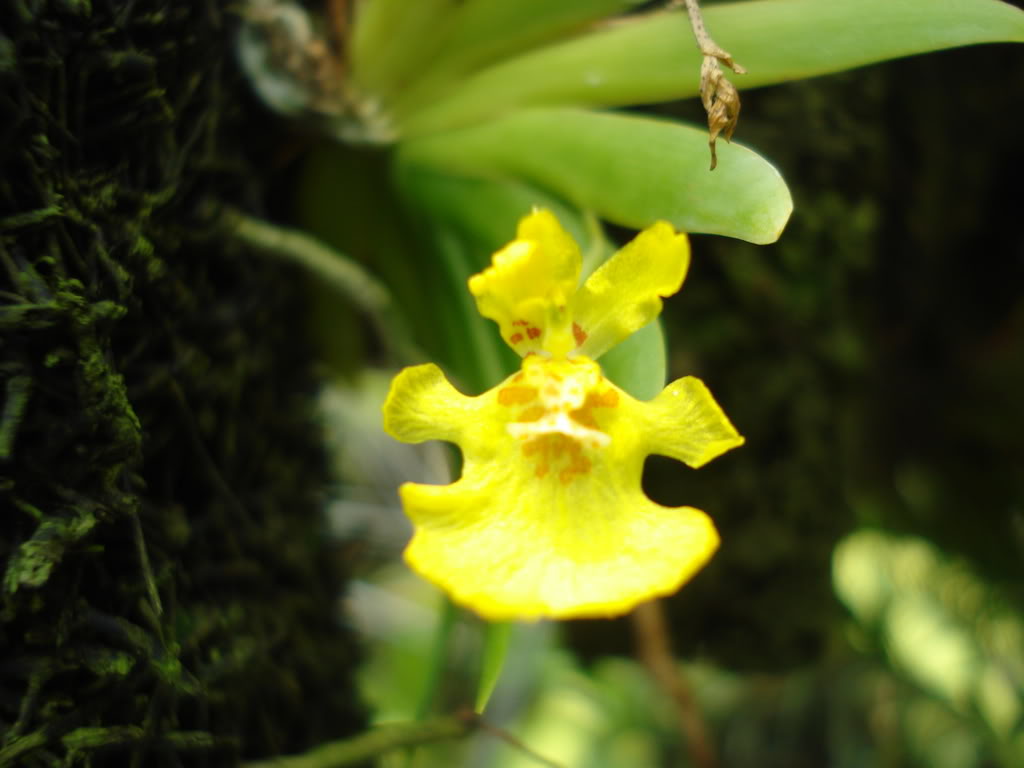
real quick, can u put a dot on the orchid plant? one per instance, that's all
(489, 112)
(548, 518)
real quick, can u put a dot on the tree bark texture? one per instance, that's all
(166, 595)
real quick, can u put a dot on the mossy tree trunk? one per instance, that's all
(166, 598)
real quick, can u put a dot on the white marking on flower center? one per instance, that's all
(559, 396)
(559, 422)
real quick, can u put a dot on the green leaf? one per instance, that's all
(654, 58)
(442, 640)
(496, 637)
(345, 200)
(629, 170)
(638, 364)
(900, 589)
(482, 32)
(485, 211)
(392, 41)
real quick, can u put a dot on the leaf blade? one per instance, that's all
(629, 170)
(653, 58)
(496, 640)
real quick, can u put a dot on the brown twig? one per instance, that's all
(650, 630)
(515, 743)
(720, 98)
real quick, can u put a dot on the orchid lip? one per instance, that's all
(559, 423)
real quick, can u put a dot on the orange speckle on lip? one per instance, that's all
(533, 333)
(555, 447)
(515, 338)
(585, 417)
(514, 395)
(607, 399)
(578, 465)
(533, 413)
(579, 334)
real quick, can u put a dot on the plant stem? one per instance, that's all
(389, 738)
(438, 657)
(654, 648)
(373, 743)
(335, 269)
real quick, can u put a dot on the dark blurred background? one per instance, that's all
(873, 357)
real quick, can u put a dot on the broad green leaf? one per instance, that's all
(654, 58)
(393, 40)
(344, 200)
(628, 170)
(485, 211)
(481, 32)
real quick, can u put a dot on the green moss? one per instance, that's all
(165, 596)
(31, 565)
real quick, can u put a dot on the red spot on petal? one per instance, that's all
(515, 338)
(579, 334)
(519, 322)
(533, 333)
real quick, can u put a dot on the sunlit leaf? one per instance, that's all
(940, 624)
(405, 53)
(389, 42)
(653, 58)
(482, 32)
(629, 170)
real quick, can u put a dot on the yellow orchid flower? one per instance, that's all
(548, 518)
